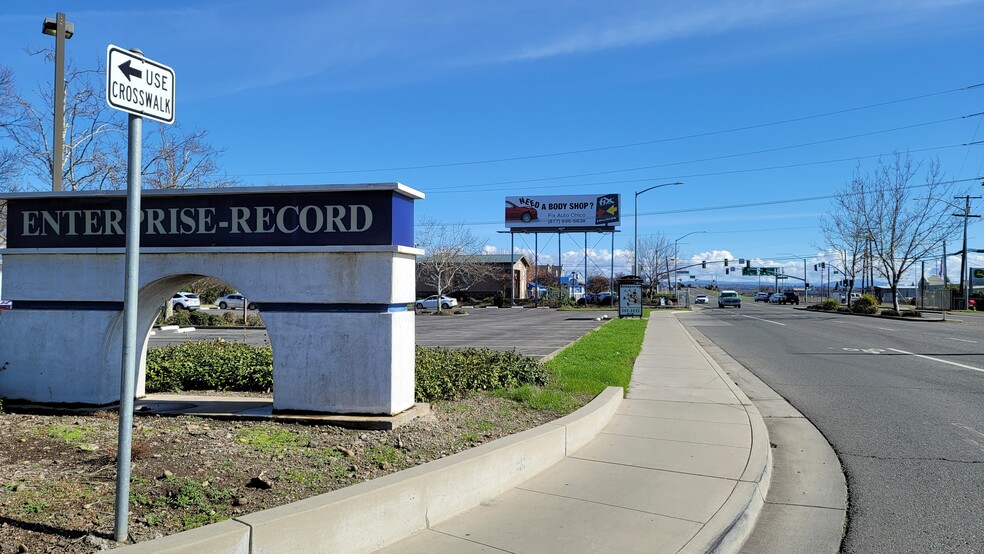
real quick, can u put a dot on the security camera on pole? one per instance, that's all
(140, 87)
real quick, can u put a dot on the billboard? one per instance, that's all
(576, 211)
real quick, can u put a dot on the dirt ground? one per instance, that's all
(58, 472)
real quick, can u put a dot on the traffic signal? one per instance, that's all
(726, 262)
(703, 264)
(823, 265)
(814, 267)
(748, 263)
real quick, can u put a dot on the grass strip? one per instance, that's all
(600, 359)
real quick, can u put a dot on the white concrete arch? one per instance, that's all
(337, 317)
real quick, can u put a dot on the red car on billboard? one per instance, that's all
(525, 214)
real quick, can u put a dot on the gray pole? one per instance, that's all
(512, 269)
(584, 281)
(611, 275)
(58, 141)
(129, 327)
(635, 232)
(560, 272)
(806, 290)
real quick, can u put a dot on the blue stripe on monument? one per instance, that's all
(298, 307)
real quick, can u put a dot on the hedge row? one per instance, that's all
(441, 373)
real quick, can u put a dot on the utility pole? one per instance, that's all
(964, 281)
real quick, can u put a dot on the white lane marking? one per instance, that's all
(884, 328)
(936, 359)
(962, 340)
(765, 320)
(865, 350)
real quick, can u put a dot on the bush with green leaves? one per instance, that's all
(442, 373)
(199, 318)
(209, 365)
(830, 304)
(867, 304)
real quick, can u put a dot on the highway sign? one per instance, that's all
(138, 85)
(768, 270)
(745, 271)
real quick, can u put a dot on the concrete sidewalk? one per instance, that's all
(683, 466)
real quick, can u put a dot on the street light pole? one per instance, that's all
(635, 230)
(61, 30)
(676, 258)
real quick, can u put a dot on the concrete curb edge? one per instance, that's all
(732, 525)
(348, 520)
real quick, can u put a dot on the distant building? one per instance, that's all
(503, 266)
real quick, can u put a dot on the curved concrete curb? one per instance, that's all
(368, 516)
(732, 525)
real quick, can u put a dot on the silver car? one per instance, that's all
(233, 301)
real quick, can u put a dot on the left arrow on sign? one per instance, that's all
(128, 71)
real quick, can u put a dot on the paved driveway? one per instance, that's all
(533, 332)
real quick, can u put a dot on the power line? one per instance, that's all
(620, 146)
(473, 187)
(712, 158)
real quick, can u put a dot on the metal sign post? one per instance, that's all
(140, 87)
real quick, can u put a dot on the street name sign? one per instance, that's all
(138, 85)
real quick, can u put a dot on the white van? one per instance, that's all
(843, 297)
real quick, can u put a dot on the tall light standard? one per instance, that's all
(61, 30)
(676, 257)
(635, 246)
(806, 291)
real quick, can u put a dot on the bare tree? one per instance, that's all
(900, 226)
(179, 161)
(845, 231)
(95, 155)
(90, 130)
(654, 258)
(452, 257)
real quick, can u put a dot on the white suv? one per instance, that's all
(185, 301)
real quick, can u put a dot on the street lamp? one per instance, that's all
(61, 30)
(676, 258)
(806, 291)
(635, 247)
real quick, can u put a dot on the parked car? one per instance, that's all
(700, 299)
(603, 298)
(185, 301)
(431, 302)
(233, 301)
(729, 298)
(761, 297)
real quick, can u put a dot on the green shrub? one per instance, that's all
(844, 310)
(830, 304)
(444, 373)
(210, 365)
(867, 304)
(890, 312)
(498, 299)
(199, 318)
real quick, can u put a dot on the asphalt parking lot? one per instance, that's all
(533, 332)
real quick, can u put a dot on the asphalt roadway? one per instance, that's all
(533, 332)
(901, 403)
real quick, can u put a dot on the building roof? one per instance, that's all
(501, 258)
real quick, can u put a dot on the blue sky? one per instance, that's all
(470, 102)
